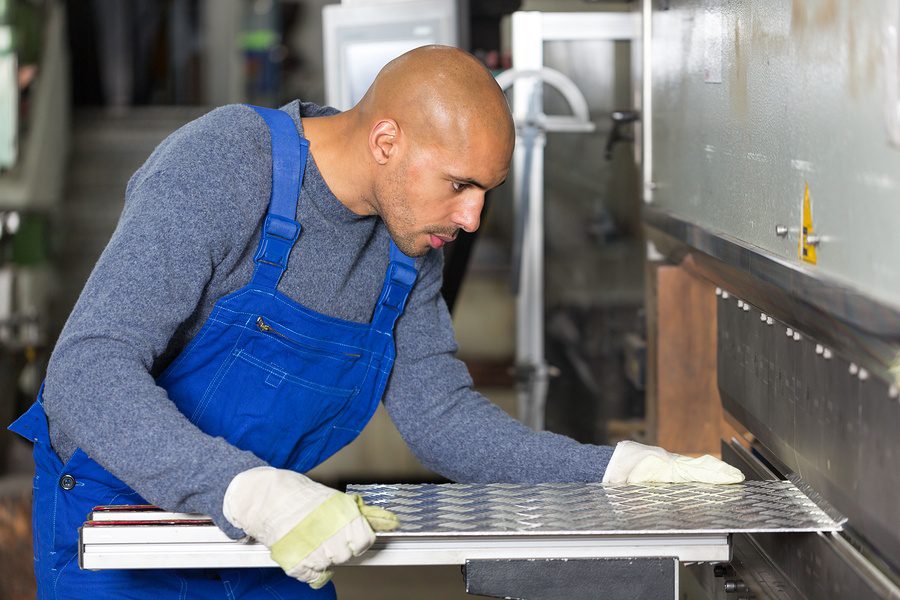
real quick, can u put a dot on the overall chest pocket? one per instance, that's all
(275, 395)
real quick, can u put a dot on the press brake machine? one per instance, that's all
(771, 165)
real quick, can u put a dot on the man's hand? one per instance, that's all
(307, 527)
(632, 462)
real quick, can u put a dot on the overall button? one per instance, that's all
(67, 482)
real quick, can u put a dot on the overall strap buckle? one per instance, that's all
(275, 245)
(398, 284)
(278, 237)
(280, 231)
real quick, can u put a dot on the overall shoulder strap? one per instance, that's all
(280, 228)
(398, 283)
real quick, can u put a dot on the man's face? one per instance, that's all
(435, 191)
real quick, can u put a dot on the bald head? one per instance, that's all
(440, 94)
(431, 136)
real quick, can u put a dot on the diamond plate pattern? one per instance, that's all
(593, 508)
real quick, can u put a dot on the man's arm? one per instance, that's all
(185, 211)
(456, 431)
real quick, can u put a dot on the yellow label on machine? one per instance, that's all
(806, 250)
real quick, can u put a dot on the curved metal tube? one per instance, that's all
(579, 120)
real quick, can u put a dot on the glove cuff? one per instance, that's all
(238, 492)
(267, 502)
(625, 458)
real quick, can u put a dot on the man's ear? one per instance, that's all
(383, 140)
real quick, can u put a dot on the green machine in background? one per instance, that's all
(9, 89)
(21, 37)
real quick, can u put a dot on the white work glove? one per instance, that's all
(307, 526)
(632, 462)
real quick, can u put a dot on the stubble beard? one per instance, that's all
(398, 218)
(406, 242)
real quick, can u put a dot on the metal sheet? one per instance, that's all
(593, 508)
(452, 523)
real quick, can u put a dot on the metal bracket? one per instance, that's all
(528, 245)
(574, 579)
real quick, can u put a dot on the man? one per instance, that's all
(241, 327)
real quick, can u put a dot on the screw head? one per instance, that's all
(718, 291)
(796, 336)
(770, 321)
(853, 368)
(863, 375)
(819, 349)
(781, 230)
(735, 585)
(725, 295)
(789, 332)
(826, 354)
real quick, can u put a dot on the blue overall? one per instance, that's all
(269, 375)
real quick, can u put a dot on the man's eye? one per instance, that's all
(458, 187)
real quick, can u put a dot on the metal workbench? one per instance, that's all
(582, 535)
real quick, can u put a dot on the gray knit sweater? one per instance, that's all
(186, 237)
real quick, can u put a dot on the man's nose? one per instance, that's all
(468, 216)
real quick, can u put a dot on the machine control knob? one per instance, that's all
(735, 585)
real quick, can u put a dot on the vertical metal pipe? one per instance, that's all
(528, 54)
(646, 106)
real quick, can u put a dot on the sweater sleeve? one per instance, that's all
(452, 429)
(181, 218)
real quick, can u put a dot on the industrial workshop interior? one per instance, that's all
(440, 299)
